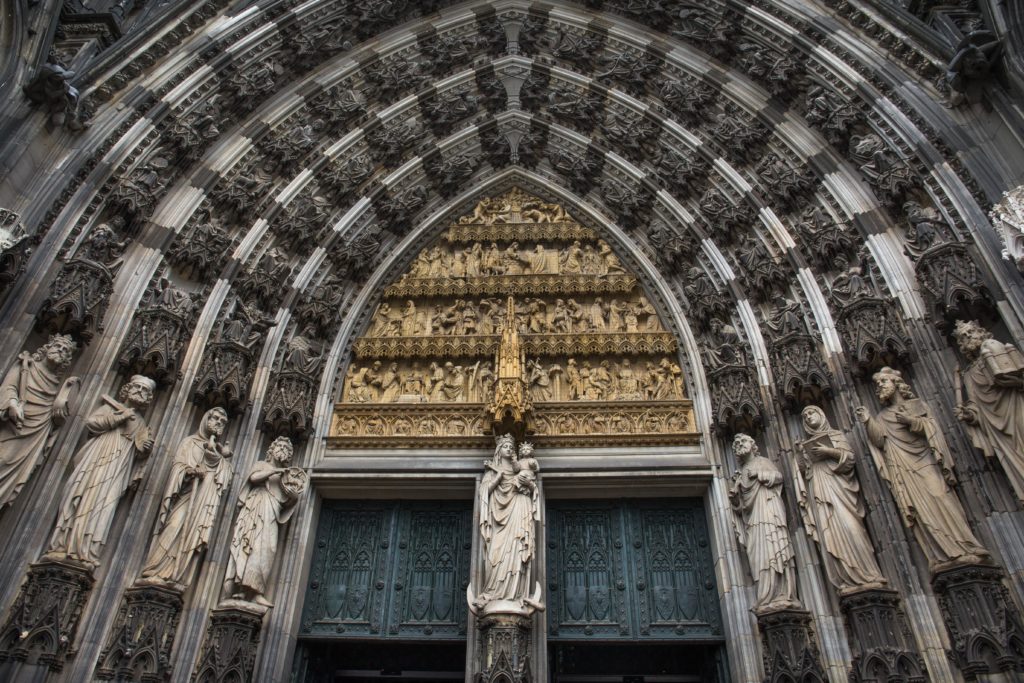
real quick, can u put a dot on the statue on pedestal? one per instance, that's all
(834, 508)
(200, 473)
(919, 470)
(267, 502)
(993, 408)
(104, 469)
(33, 401)
(509, 513)
(756, 495)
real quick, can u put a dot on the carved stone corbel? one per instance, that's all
(142, 636)
(883, 648)
(229, 649)
(790, 648)
(984, 625)
(41, 626)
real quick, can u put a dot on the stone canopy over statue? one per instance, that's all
(509, 531)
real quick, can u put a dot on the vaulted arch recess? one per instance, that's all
(796, 195)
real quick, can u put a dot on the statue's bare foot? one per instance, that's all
(262, 601)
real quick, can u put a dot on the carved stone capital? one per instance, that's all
(41, 625)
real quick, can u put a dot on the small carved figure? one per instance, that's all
(761, 527)
(33, 400)
(538, 260)
(103, 472)
(200, 474)
(51, 86)
(834, 509)
(993, 408)
(266, 503)
(973, 60)
(571, 260)
(911, 458)
(539, 381)
(414, 384)
(612, 264)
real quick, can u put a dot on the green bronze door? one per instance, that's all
(630, 570)
(389, 570)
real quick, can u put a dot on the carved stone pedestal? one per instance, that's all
(883, 649)
(229, 648)
(790, 651)
(41, 626)
(984, 624)
(141, 639)
(504, 647)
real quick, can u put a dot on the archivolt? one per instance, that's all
(219, 63)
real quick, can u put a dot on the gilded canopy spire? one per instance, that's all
(511, 406)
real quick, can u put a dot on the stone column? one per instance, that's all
(142, 637)
(882, 644)
(231, 641)
(984, 624)
(42, 623)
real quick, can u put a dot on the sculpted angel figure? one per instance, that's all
(911, 458)
(993, 408)
(509, 513)
(200, 474)
(103, 472)
(266, 503)
(33, 400)
(834, 507)
(761, 527)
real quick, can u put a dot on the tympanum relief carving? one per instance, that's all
(598, 361)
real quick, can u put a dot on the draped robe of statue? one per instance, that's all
(998, 430)
(911, 459)
(102, 475)
(835, 508)
(188, 509)
(266, 505)
(508, 515)
(36, 386)
(756, 494)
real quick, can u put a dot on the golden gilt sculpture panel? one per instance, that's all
(594, 363)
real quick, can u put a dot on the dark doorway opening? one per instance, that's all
(609, 662)
(375, 662)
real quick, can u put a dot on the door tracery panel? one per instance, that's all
(630, 570)
(389, 569)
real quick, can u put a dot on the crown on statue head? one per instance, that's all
(504, 439)
(525, 449)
